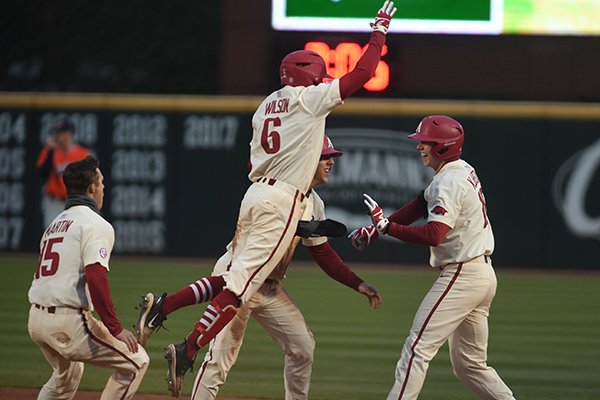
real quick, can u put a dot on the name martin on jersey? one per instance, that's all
(277, 106)
(59, 227)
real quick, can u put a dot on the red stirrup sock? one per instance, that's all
(204, 289)
(216, 316)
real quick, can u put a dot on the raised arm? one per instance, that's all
(366, 65)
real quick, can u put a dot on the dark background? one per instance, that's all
(517, 159)
(228, 47)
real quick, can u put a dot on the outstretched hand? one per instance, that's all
(371, 293)
(383, 17)
(363, 236)
(379, 220)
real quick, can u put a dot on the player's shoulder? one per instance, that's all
(318, 205)
(450, 178)
(455, 169)
(315, 198)
(90, 218)
(285, 91)
(323, 87)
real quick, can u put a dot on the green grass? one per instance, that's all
(544, 339)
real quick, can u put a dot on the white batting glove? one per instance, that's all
(363, 236)
(379, 220)
(383, 17)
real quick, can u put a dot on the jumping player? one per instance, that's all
(271, 306)
(461, 241)
(74, 254)
(288, 130)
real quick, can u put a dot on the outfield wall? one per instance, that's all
(176, 166)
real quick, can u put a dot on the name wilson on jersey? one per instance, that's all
(277, 106)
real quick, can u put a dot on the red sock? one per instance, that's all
(216, 316)
(200, 291)
(191, 348)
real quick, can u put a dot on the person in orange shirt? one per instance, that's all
(60, 150)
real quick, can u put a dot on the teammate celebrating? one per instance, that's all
(74, 254)
(460, 235)
(288, 130)
(271, 306)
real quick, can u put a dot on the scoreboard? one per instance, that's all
(489, 17)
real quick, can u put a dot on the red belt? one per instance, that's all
(272, 182)
(486, 259)
(51, 309)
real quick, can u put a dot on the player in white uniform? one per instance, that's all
(70, 281)
(461, 239)
(271, 306)
(288, 130)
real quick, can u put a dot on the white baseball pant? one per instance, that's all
(281, 318)
(69, 338)
(455, 309)
(267, 223)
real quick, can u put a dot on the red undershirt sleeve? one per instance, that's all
(331, 263)
(97, 281)
(411, 211)
(430, 234)
(365, 67)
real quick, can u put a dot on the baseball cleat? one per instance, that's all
(151, 317)
(177, 366)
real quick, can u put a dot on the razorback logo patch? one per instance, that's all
(439, 210)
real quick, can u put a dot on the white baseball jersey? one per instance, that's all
(315, 210)
(288, 129)
(455, 198)
(76, 237)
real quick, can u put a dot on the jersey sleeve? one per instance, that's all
(321, 99)
(318, 213)
(444, 199)
(97, 242)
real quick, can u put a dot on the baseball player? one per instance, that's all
(271, 306)
(288, 130)
(461, 241)
(69, 283)
(58, 152)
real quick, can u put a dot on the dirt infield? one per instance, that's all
(8, 393)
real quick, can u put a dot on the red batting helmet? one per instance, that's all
(328, 149)
(447, 134)
(302, 68)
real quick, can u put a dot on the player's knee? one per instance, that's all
(464, 368)
(303, 350)
(144, 359)
(459, 369)
(138, 363)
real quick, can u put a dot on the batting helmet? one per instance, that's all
(302, 68)
(328, 149)
(447, 134)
